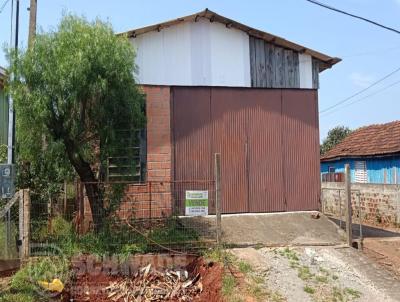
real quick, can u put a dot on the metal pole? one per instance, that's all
(349, 223)
(218, 195)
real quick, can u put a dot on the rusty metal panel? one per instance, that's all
(266, 185)
(229, 116)
(301, 149)
(192, 135)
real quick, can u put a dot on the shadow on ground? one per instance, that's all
(367, 231)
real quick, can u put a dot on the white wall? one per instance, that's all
(305, 71)
(194, 54)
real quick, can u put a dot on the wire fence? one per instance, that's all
(124, 218)
(9, 229)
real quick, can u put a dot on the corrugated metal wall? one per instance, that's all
(3, 118)
(268, 140)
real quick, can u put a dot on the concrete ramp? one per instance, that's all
(296, 228)
(273, 229)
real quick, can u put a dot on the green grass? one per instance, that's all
(304, 273)
(244, 267)
(321, 279)
(352, 292)
(309, 290)
(228, 285)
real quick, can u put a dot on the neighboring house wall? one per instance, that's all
(385, 170)
(205, 53)
(3, 117)
(375, 203)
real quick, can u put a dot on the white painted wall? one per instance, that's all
(194, 54)
(305, 71)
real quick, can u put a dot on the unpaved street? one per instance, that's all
(321, 274)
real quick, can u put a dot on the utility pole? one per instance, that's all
(11, 112)
(32, 22)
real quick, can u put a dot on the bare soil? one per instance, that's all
(92, 287)
(385, 252)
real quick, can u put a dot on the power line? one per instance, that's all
(354, 16)
(361, 91)
(363, 98)
(4, 5)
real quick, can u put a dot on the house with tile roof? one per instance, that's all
(373, 153)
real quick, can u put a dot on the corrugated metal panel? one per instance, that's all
(301, 149)
(268, 140)
(192, 131)
(3, 118)
(266, 186)
(229, 116)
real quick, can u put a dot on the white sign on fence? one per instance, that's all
(196, 203)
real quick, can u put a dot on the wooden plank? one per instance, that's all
(253, 70)
(315, 73)
(260, 63)
(296, 73)
(280, 68)
(269, 64)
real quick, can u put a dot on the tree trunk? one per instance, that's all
(91, 184)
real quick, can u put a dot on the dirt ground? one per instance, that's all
(320, 274)
(93, 287)
(384, 251)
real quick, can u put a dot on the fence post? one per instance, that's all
(24, 222)
(218, 195)
(349, 223)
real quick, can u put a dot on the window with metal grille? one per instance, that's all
(128, 162)
(361, 172)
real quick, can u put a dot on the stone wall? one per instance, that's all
(374, 203)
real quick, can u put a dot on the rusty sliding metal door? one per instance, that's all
(228, 113)
(192, 136)
(266, 179)
(301, 149)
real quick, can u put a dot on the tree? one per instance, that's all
(334, 137)
(74, 89)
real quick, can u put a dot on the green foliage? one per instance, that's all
(335, 136)
(3, 154)
(244, 267)
(73, 91)
(24, 284)
(309, 290)
(115, 237)
(228, 285)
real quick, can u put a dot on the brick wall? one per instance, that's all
(153, 198)
(159, 159)
(376, 203)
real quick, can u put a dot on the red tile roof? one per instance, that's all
(383, 139)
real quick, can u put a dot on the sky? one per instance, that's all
(368, 52)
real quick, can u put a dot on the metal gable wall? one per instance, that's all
(3, 118)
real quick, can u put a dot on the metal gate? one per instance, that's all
(268, 140)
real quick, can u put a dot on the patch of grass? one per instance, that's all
(321, 279)
(337, 295)
(276, 297)
(228, 285)
(335, 277)
(24, 284)
(219, 255)
(309, 290)
(258, 246)
(17, 297)
(304, 273)
(244, 267)
(289, 254)
(352, 292)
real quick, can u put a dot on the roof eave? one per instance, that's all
(212, 16)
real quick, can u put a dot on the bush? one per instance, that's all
(3, 154)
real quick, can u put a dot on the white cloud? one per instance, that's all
(361, 80)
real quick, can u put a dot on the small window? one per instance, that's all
(361, 172)
(331, 170)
